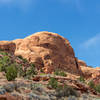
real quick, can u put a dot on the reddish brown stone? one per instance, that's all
(45, 49)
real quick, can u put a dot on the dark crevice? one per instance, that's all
(77, 66)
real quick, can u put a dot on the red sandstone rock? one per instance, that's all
(45, 49)
(8, 46)
(89, 72)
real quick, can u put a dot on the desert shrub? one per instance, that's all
(53, 83)
(36, 86)
(4, 62)
(97, 88)
(81, 79)
(21, 72)
(3, 53)
(66, 91)
(23, 59)
(41, 70)
(2, 68)
(11, 73)
(91, 84)
(31, 71)
(60, 73)
(27, 72)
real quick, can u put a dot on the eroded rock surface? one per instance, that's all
(47, 50)
(90, 73)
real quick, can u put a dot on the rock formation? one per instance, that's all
(7, 46)
(49, 51)
(81, 63)
(90, 73)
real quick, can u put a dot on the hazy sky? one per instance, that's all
(76, 20)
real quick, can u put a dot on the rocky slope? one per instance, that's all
(91, 73)
(22, 89)
(57, 74)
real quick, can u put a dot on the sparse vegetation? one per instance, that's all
(27, 72)
(66, 91)
(21, 72)
(53, 83)
(8, 64)
(97, 88)
(19, 67)
(3, 53)
(23, 59)
(4, 63)
(91, 84)
(94, 86)
(81, 79)
(31, 71)
(60, 73)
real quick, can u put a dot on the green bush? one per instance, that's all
(53, 83)
(2, 67)
(81, 79)
(27, 72)
(91, 84)
(11, 73)
(31, 71)
(4, 63)
(3, 53)
(21, 72)
(6, 60)
(60, 73)
(97, 88)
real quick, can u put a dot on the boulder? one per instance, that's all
(48, 51)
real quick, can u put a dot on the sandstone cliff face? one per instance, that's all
(47, 50)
